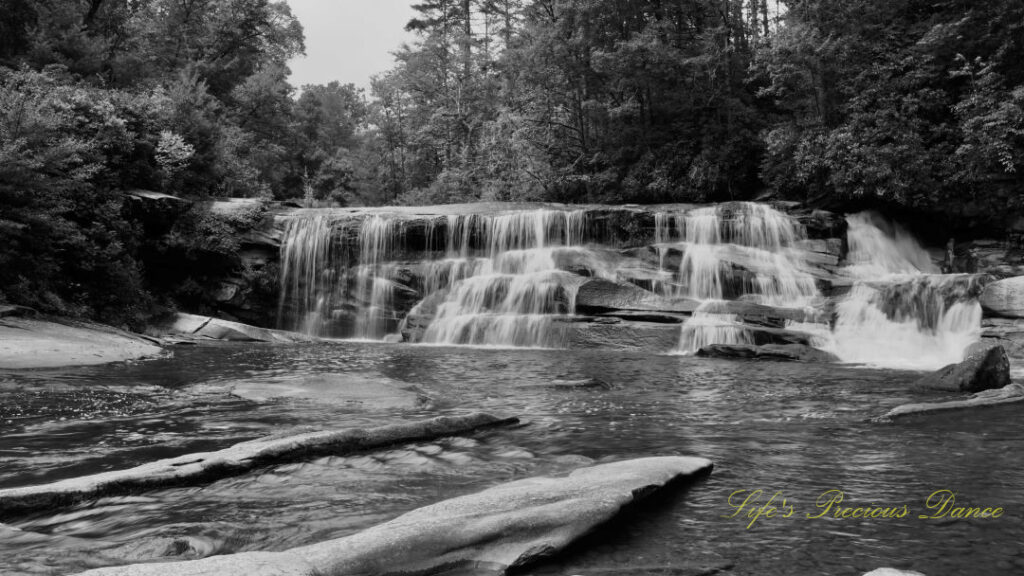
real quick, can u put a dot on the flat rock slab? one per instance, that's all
(507, 526)
(1010, 394)
(209, 328)
(29, 343)
(237, 459)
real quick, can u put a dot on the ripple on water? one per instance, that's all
(797, 428)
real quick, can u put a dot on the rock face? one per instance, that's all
(205, 327)
(598, 295)
(237, 459)
(1004, 298)
(30, 343)
(986, 367)
(648, 336)
(795, 352)
(504, 527)
(1010, 394)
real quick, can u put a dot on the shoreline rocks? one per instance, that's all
(191, 326)
(504, 527)
(236, 459)
(27, 343)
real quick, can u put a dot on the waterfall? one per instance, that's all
(739, 250)
(511, 293)
(899, 312)
(494, 280)
(511, 276)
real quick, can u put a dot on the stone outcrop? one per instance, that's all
(792, 352)
(195, 327)
(498, 529)
(985, 367)
(1004, 298)
(1005, 332)
(599, 295)
(1010, 394)
(648, 336)
(35, 343)
(237, 459)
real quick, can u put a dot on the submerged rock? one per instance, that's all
(986, 367)
(1004, 298)
(508, 526)
(208, 328)
(796, 352)
(237, 459)
(1009, 394)
(892, 572)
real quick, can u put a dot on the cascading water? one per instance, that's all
(495, 281)
(899, 312)
(739, 250)
(749, 273)
(511, 293)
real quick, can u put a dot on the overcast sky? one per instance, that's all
(348, 40)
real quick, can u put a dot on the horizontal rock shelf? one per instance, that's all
(793, 352)
(1010, 394)
(504, 527)
(237, 459)
(207, 328)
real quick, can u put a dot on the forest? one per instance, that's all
(908, 105)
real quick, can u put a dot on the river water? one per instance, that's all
(798, 428)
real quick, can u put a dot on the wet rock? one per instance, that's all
(1005, 332)
(892, 572)
(30, 343)
(1010, 394)
(1004, 298)
(237, 459)
(762, 315)
(985, 367)
(599, 295)
(647, 336)
(208, 328)
(505, 527)
(792, 352)
(641, 316)
(593, 383)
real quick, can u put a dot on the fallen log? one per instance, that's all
(237, 459)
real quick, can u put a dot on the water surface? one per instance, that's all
(802, 429)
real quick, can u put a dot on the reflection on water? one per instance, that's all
(797, 428)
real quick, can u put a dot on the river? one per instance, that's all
(801, 429)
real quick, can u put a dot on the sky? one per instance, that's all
(348, 40)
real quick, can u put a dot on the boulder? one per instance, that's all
(794, 352)
(985, 367)
(237, 459)
(206, 327)
(598, 295)
(1004, 298)
(496, 530)
(892, 572)
(1010, 394)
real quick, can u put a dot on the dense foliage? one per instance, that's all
(915, 104)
